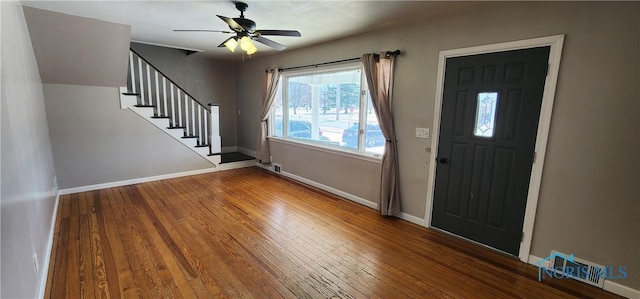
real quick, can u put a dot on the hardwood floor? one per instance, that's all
(247, 233)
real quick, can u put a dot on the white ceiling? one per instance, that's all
(318, 21)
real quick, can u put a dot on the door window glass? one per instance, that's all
(486, 114)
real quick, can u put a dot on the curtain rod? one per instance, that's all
(388, 53)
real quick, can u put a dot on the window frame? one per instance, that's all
(361, 149)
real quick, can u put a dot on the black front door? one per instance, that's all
(490, 109)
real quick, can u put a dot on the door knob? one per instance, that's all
(443, 160)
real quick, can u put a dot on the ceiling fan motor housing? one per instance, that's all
(247, 24)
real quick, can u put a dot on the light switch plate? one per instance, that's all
(422, 133)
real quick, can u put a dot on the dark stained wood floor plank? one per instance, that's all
(98, 257)
(199, 253)
(248, 233)
(222, 244)
(73, 273)
(87, 287)
(125, 219)
(308, 251)
(109, 205)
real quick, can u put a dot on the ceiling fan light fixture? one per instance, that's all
(231, 44)
(246, 44)
(252, 50)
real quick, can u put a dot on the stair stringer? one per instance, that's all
(129, 102)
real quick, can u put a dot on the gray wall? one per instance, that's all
(96, 142)
(28, 199)
(93, 140)
(208, 80)
(77, 50)
(589, 200)
(315, 164)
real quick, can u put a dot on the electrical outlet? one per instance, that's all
(422, 133)
(36, 266)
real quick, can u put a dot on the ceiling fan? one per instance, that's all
(245, 30)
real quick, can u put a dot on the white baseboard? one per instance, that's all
(534, 260)
(268, 167)
(135, 181)
(411, 218)
(236, 165)
(362, 201)
(609, 285)
(44, 269)
(247, 151)
(621, 290)
(332, 190)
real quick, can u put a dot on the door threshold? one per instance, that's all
(509, 255)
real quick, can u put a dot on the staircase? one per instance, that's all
(159, 100)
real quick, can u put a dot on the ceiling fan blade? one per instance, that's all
(279, 32)
(226, 40)
(232, 23)
(269, 43)
(200, 30)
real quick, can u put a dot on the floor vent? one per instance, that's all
(578, 269)
(277, 168)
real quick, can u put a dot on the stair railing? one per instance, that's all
(154, 89)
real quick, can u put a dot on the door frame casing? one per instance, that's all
(555, 42)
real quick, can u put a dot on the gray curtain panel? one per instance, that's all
(262, 152)
(379, 72)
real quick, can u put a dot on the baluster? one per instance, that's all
(203, 129)
(192, 109)
(205, 122)
(155, 99)
(198, 113)
(154, 85)
(185, 107)
(173, 107)
(132, 72)
(141, 80)
(147, 101)
(164, 96)
(185, 114)
(197, 121)
(179, 114)
(190, 117)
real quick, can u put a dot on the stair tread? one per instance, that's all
(130, 94)
(176, 127)
(160, 116)
(146, 106)
(191, 136)
(203, 145)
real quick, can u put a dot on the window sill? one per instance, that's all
(328, 149)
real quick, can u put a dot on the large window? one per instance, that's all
(329, 107)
